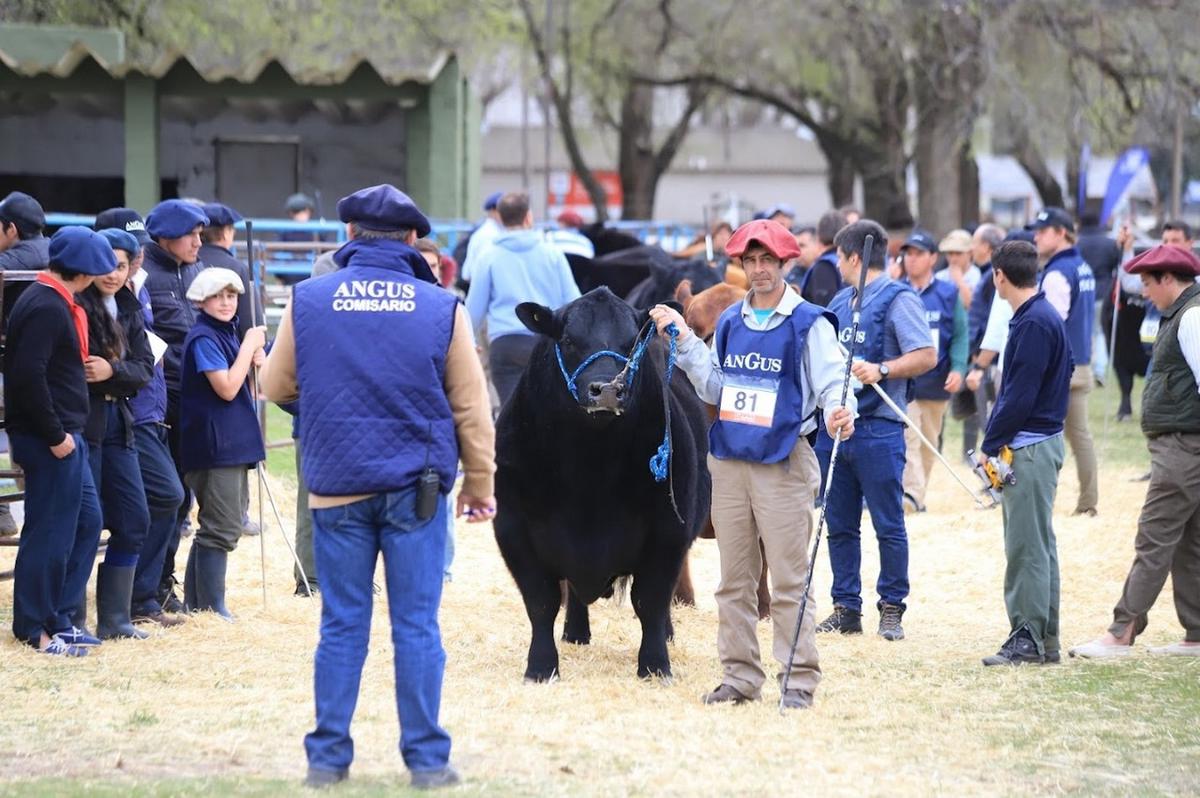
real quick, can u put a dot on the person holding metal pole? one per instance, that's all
(773, 365)
(896, 346)
(1025, 434)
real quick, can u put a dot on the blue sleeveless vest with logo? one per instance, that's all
(371, 344)
(757, 363)
(872, 328)
(1083, 301)
(214, 433)
(939, 298)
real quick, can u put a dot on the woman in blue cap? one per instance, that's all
(46, 405)
(119, 365)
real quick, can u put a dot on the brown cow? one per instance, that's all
(701, 312)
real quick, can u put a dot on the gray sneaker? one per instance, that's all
(433, 779)
(8, 524)
(889, 621)
(725, 694)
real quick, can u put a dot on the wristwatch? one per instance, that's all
(884, 371)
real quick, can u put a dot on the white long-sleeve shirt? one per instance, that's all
(823, 366)
(1189, 341)
(995, 333)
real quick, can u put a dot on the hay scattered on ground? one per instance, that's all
(234, 701)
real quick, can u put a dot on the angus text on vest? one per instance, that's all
(753, 361)
(375, 296)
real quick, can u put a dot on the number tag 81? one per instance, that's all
(748, 404)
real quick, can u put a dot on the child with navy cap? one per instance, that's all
(46, 401)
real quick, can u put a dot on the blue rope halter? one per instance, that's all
(660, 460)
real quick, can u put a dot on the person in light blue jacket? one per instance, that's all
(519, 267)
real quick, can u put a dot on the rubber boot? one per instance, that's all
(210, 580)
(189, 582)
(114, 590)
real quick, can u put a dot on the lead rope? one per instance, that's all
(660, 461)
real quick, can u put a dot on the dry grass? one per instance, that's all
(214, 708)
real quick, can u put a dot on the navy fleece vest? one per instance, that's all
(939, 298)
(371, 344)
(1081, 317)
(215, 433)
(872, 329)
(762, 404)
(830, 259)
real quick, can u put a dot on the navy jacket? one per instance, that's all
(168, 281)
(823, 279)
(1102, 254)
(149, 405)
(215, 433)
(29, 254)
(1037, 377)
(130, 374)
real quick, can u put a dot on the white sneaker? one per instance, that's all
(1097, 650)
(1178, 650)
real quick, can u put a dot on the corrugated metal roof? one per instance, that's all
(32, 50)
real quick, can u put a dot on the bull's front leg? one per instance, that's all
(652, 589)
(539, 590)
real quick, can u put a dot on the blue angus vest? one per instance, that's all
(762, 404)
(371, 344)
(872, 330)
(940, 298)
(214, 433)
(1081, 317)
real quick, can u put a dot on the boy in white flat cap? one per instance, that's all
(219, 434)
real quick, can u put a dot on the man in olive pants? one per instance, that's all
(1027, 425)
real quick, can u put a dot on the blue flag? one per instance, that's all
(1130, 162)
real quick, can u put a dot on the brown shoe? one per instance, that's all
(165, 619)
(725, 694)
(796, 698)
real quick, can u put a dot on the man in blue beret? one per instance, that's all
(484, 235)
(216, 249)
(22, 245)
(46, 405)
(390, 392)
(172, 261)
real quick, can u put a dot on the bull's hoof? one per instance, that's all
(577, 639)
(662, 671)
(538, 676)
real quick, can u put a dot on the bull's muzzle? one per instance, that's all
(606, 397)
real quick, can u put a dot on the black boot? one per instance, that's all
(114, 589)
(189, 582)
(210, 580)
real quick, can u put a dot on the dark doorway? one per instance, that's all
(89, 195)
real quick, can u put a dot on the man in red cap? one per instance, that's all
(1168, 536)
(773, 362)
(569, 239)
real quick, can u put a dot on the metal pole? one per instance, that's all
(262, 415)
(856, 314)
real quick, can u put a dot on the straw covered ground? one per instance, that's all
(214, 708)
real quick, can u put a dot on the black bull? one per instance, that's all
(575, 496)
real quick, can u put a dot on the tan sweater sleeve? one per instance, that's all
(278, 375)
(466, 388)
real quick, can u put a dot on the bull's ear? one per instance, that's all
(540, 319)
(643, 315)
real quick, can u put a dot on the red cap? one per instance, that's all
(570, 219)
(777, 239)
(1165, 258)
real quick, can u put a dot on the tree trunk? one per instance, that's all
(841, 168)
(1031, 160)
(968, 187)
(635, 152)
(938, 167)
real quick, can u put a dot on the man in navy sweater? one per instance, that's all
(1028, 421)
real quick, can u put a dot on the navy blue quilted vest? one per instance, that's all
(214, 433)
(828, 258)
(371, 344)
(1082, 315)
(939, 298)
(872, 329)
(762, 404)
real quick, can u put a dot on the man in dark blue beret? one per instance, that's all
(46, 405)
(390, 391)
(216, 249)
(22, 245)
(172, 261)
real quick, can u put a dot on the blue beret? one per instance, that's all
(24, 211)
(80, 250)
(119, 239)
(126, 219)
(492, 200)
(221, 215)
(383, 208)
(174, 219)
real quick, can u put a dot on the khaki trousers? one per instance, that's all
(1080, 438)
(772, 502)
(1168, 538)
(927, 414)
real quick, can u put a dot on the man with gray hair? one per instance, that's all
(984, 241)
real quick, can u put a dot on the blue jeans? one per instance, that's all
(164, 495)
(870, 465)
(59, 539)
(347, 541)
(118, 479)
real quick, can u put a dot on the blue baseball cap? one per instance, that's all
(119, 239)
(383, 208)
(921, 240)
(82, 250)
(175, 218)
(492, 200)
(1052, 217)
(126, 219)
(221, 215)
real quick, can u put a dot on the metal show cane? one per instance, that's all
(887, 400)
(868, 247)
(262, 425)
(1112, 343)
